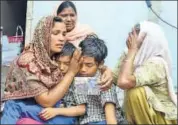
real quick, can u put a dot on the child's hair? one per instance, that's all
(67, 50)
(94, 47)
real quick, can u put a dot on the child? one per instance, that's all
(101, 109)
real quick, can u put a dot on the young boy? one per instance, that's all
(92, 109)
(101, 109)
(72, 107)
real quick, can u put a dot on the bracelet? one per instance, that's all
(128, 60)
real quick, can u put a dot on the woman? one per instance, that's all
(144, 72)
(76, 32)
(34, 79)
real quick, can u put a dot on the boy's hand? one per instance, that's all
(48, 113)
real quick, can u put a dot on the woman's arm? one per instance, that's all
(126, 79)
(49, 98)
(106, 78)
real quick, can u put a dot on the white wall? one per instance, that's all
(169, 13)
(112, 20)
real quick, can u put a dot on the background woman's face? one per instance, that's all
(69, 17)
(58, 37)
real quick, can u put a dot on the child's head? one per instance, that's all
(65, 56)
(94, 51)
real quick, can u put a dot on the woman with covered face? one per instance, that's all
(144, 72)
(34, 80)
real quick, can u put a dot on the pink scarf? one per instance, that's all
(79, 33)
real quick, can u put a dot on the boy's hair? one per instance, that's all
(94, 47)
(68, 49)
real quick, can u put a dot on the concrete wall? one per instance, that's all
(112, 20)
(13, 13)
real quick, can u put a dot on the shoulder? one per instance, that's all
(85, 28)
(152, 70)
(155, 62)
(25, 58)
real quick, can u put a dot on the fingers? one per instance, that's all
(105, 83)
(103, 79)
(129, 40)
(106, 86)
(77, 54)
(105, 89)
(43, 111)
(45, 115)
(134, 32)
(80, 61)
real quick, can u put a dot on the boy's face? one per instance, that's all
(64, 63)
(89, 67)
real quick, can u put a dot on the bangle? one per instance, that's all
(128, 60)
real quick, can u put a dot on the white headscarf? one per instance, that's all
(155, 46)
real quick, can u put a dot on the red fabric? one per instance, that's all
(25, 121)
(15, 39)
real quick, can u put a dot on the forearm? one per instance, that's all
(126, 68)
(110, 113)
(126, 71)
(72, 111)
(50, 98)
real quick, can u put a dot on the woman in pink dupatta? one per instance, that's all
(76, 32)
(34, 80)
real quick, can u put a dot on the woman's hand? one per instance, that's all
(106, 78)
(134, 42)
(48, 113)
(75, 62)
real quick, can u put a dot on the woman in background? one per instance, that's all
(76, 32)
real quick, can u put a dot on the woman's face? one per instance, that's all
(69, 17)
(58, 37)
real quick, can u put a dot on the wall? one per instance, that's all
(169, 13)
(112, 20)
(13, 13)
